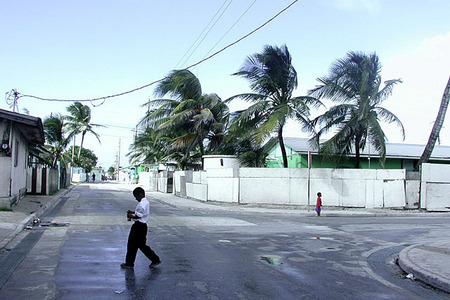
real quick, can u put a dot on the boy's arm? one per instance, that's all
(131, 215)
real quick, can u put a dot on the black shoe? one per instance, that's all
(154, 264)
(125, 266)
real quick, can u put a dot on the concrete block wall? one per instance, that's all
(435, 187)
(339, 187)
(196, 185)
(223, 185)
(270, 186)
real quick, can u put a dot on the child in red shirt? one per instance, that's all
(319, 203)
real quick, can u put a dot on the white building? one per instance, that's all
(18, 133)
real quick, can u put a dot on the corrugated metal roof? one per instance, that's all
(31, 127)
(393, 150)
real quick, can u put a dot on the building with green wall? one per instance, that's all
(398, 156)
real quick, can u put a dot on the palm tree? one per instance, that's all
(79, 122)
(148, 148)
(436, 127)
(273, 79)
(255, 157)
(192, 119)
(57, 142)
(355, 83)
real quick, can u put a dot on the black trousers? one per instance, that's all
(138, 240)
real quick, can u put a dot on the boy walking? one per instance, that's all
(137, 238)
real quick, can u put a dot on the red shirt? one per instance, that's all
(319, 202)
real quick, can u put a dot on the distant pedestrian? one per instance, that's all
(137, 238)
(319, 203)
(93, 177)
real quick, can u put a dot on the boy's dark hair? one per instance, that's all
(138, 191)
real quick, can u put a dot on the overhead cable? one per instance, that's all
(232, 26)
(201, 33)
(159, 80)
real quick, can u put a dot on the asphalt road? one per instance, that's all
(214, 254)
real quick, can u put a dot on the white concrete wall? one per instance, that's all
(196, 187)
(220, 161)
(222, 185)
(149, 180)
(156, 181)
(270, 186)
(179, 183)
(435, 187)
(339, 187)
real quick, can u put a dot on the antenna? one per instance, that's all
(12, 98)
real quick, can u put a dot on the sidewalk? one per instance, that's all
(22, 215)
(428, 262)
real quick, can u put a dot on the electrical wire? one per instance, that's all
(232, 26)
(207, 33)
(159, 80)
(201, 33)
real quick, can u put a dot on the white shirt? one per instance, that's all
(142, 211)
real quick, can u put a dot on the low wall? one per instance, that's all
(157, 181)
(435, 187)
(339, 187)
(42, 181)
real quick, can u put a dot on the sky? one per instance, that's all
(80, 49)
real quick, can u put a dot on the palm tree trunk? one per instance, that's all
(436, 127)
(282, 147)
(357, 153)
(202, 150)
(81, 145)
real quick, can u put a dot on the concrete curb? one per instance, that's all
(413, 261)
(29, 219)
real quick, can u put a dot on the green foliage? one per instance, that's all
(79, 122)
(59, 131)
(111, 171)
(183, 128)
(56, 140)
(87, 159)
(273, 80)
(250, 156)
(354, 82)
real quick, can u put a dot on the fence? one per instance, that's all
(339, 187)
(46, 181)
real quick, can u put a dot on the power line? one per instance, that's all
(201, 33)
(159, 80)
(232, 26)
(244, 37)
(198, 45)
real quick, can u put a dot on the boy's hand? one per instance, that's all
(130, 214)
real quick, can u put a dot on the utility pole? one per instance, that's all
(118, 161)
